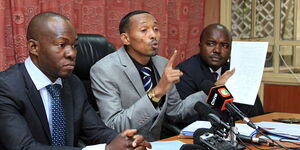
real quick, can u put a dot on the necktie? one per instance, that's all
(147, 82)
(58, 119)
(215, 74)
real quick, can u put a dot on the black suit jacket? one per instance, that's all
(23, 121)
(197, 77)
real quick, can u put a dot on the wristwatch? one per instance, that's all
(152, 96)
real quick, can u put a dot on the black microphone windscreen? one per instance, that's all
(217, 122)
(204, 109)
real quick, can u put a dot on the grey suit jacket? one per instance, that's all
(123, 102)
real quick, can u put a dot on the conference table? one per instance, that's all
(265, 117)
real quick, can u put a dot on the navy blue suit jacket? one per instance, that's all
(197, 77)
(23, 121)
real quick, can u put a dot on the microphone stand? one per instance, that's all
(233, 130)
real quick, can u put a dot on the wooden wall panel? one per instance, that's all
(212, 12)
(281, 98)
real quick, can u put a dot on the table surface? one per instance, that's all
(265, 117)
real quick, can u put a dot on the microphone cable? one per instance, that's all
(274, 141)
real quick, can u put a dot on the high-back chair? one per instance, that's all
(90, 49)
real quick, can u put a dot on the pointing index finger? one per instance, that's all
(172, 59)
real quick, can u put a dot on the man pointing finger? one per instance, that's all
(134, 87)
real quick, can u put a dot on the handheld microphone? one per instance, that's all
(221, 98)
(249, 139)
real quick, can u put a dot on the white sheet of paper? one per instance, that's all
(166, 145)
(248, 59)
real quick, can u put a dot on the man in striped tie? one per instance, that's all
(134, 87)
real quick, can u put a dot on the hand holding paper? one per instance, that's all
(248, 59)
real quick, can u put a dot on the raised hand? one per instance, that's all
(127, 140)
(223, 79)
(169, 77)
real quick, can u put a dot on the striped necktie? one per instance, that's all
(147, 82)
(58, 118)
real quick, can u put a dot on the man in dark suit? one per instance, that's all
(43, 105)
(207, 69)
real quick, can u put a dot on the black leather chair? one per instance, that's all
(90, 49)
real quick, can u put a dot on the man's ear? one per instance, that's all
(125, 39)
(33, 47)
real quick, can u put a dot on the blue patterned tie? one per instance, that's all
(147, 82)
(58, 119)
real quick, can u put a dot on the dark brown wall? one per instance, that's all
(212, 12)
(281, 98)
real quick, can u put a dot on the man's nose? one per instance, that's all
(153, 34)
(71, 52)
(217, 48)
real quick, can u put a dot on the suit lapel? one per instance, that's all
(67, 103)
(206, 70)
(131, 71)
(225, 67)
(36, 101)
(160, 67)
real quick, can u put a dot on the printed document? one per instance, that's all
(248, 59)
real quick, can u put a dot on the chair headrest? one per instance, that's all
(90, 49)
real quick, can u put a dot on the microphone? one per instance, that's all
(204, 109)
(249, 139)
(220, 97)
(216, 121)
(213, 117)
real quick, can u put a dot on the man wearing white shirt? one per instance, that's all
(43, 106)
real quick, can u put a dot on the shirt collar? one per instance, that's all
(140, 66)
(39, 79)
(217, 71)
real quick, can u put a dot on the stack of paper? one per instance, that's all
(283, 130)
(190, 129)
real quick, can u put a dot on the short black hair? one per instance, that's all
(214, 26)
(123, 26)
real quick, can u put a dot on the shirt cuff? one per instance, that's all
(95, 147)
